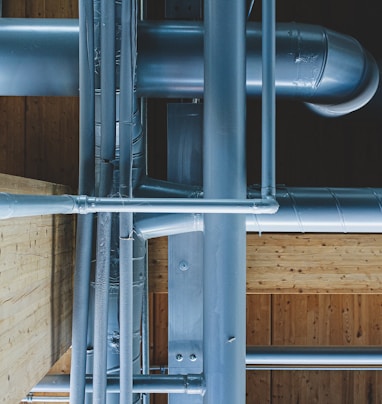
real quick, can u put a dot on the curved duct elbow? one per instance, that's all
(331, 72)
(350, 87)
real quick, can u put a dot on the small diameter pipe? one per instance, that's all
(126, 112)
(174, 384)
(14, 205)
(101, 307)
(268, 156)
(87, 186)
(302, 357)
(81, 307)
(108, 84)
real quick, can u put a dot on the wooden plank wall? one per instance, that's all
(36, 266)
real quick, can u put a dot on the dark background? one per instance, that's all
(311, 150)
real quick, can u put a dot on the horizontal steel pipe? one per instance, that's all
(39, 56)
(336, 356)
(15, 205)
(329, 71)
(177, 384)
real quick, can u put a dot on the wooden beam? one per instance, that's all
(36, 266)
(298, 263)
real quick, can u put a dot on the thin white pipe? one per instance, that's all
(14, 205)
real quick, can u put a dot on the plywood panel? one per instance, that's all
(36, 263)
(287, 263)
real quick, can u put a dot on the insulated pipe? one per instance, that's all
(313, 64)
(224, 177)
(302, 210)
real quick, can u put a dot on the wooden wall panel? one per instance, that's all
(298, 263)
(36, 264)
(326, 320)
(258, 333)
(51, 139)
(12, 135)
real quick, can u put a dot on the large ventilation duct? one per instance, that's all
(301, 210)
(329, 71)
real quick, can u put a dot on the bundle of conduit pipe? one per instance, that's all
(114, 60)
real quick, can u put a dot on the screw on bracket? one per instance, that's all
(183, 265)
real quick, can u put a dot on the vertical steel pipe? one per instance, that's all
(104, 220)
(126, 219)
(86, 186)
(268, 122)
(224, 177)
(101, 307)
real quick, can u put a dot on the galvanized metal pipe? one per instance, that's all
(16, 205)
(224, 177)
(81, 307)
(317, 356)
(268, 116)
(86, 185)
(341, 77)
(101, 307)
(126, 112)
(182, 384)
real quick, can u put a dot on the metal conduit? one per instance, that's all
(86, 185)
(18, 205)
(178, 384)
(341, 77)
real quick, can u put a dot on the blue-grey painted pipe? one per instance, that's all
(268, 100)
(313, 64)
(126, 112)
(81, 307)
(224, 176)
(314, 356)
(18, 205)
(181, 384)
(101, 306)
(86, 172)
